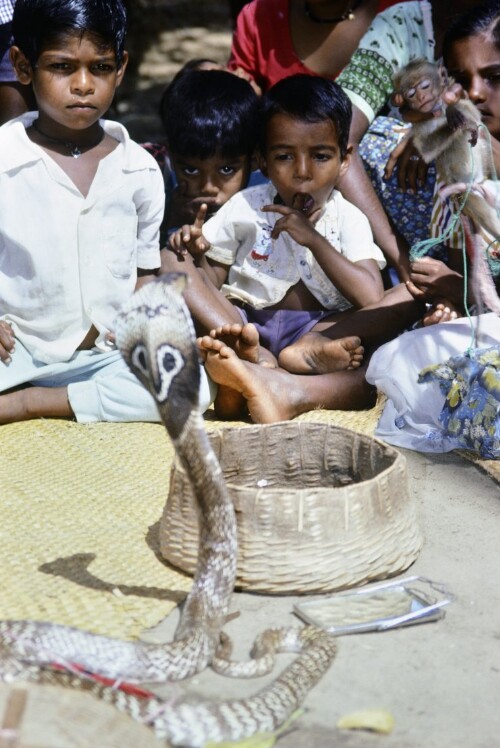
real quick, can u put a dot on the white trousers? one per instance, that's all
(100, 385)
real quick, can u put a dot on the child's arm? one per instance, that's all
(359, 282)
(216, 272)
(432, 279)
(149, 202)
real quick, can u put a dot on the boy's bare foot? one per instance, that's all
(244, 340)
(241, 387)
(229, 403)
(316, 354)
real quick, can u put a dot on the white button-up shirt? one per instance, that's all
(262, 269)
(69, 261)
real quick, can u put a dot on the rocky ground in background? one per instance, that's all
(163, 35)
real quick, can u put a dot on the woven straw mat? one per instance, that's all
(80, 510)
(78, 540)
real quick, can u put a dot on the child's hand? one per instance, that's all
(299, 225)
(411, 168)
(7, 342)
(190, 238)
(431, 278)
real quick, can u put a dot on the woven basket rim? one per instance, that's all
(390, 452)
(303, 425)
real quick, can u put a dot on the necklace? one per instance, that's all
(75, 150)
(347, 15)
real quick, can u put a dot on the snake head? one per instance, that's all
(155, 335)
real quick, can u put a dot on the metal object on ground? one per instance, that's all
(377, 607)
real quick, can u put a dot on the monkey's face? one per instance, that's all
(423, 95)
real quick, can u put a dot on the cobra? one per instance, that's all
(155, 334)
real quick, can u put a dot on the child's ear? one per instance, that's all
(121, 70)
(21, 65)
(346, 161)
(261, 160)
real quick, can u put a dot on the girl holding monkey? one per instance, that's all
(417, 414)
(472, 56)
(399, 34)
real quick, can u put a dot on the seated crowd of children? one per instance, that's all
(261, 200)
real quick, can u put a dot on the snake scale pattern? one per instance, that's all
(155, 334)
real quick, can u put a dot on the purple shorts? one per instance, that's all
(280, 327)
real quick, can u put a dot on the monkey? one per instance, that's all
(450, 136)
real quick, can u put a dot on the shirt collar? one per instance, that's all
(17, 150)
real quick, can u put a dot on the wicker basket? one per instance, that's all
(318, 508)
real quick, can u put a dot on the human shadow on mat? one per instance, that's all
(75, 569)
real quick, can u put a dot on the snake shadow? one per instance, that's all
(75, 569)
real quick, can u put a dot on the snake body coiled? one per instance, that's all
(155, 334)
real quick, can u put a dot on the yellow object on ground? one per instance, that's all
(374, 720)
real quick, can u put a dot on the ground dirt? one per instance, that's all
(163, 35)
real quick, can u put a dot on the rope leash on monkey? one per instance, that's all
(155, 334)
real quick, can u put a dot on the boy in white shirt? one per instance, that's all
(81, 207)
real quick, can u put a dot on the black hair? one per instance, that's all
(37, 23)
(205, 112)
(308, 98)
(484, 18)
